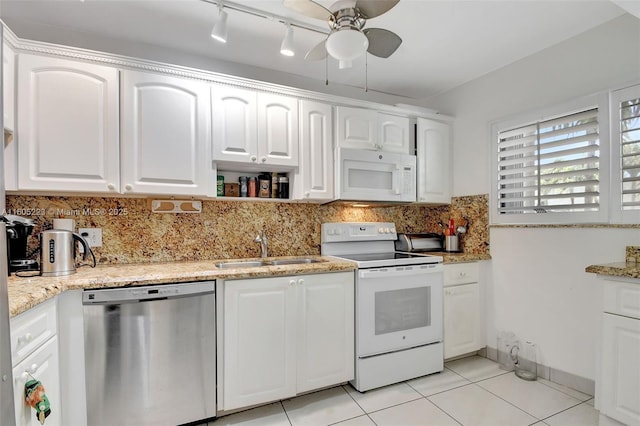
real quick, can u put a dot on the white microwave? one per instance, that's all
(375, 176)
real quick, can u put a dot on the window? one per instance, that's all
(625, 130)
(552, 170)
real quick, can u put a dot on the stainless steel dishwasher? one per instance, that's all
(150, 354)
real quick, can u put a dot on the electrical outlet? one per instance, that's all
(92, 235)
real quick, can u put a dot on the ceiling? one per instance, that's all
(445, 43)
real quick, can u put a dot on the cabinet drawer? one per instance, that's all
(31, 329)
(622, 298)
(461, 273)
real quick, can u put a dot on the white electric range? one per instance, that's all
(398, 303)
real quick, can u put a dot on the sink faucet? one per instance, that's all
(262, 239)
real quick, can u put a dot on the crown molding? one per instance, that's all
(127, 62)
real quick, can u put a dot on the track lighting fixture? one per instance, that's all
(286, 48)
(219, 31)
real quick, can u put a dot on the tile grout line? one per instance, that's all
(567, 393)
(285, 413)
(354, 400)
(567, 409)
(508, 402)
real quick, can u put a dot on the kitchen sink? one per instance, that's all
(247, 264)
(295, 261)
(275, 262)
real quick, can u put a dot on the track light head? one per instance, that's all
(219, 31)
(286, 48)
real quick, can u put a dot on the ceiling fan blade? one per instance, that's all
(318, 52)
(372, 8)
(382, 43)
(309, 8)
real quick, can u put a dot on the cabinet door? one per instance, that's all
(393, 133)
(462, 320)
(234, 125)
(357, 128)
(259, 347)
(10, 147)
(433, 161)
(325, 330)
(315, 178)
(620, 372)
(67, 125)
(165, 135)
(43, 365)
(8, 82)
(277, 130)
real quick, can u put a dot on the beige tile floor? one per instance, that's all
(471, 392)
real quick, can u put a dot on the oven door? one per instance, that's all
(398, 308)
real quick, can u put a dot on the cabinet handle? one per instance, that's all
(307, 194)
(24, 377)
(463, 274)
(263, 159)
(128, 187)
(25, 339)
(111, 187)
(300, 281)
(292, 283)
(34, 368)
(254, 158)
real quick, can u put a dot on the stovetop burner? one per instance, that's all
(369, 244)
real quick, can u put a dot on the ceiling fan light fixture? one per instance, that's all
(286, 48)
(219, 31)
(347, 45)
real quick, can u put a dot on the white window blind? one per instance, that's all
(629, 122)
(550, 166)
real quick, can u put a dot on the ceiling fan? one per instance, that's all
(347, 39)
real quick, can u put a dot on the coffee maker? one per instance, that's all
(18, 230)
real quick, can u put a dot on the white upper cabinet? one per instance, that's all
(433, 148)
(360, 128)
(393, 133)
(314, 180)
(10, 147)
(277, 130)
(165, 135)
(8, 86)
(234, 125)
(254, 128)
(357, 128)
(67, 125)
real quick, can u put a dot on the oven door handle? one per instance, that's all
(400, 271)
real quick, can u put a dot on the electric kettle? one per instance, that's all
(58, 252)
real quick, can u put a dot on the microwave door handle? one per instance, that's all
(398, 180)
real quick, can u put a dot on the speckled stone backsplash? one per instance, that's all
(226, 229)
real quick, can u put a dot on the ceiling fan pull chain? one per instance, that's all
(326, 70)
(366, 72)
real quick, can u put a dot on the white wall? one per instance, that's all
(539, 289)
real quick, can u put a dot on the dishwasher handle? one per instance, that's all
(135, 294)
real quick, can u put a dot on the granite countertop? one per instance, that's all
(25, 293)
(617, 269)
(630, 268)
(449, 257)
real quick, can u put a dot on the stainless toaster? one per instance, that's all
(419, 242)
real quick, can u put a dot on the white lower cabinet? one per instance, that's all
(463, 316)
(284, 335)
(618, 382)
(42, 365)
(34, 354)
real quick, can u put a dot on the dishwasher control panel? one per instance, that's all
(135, 294)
